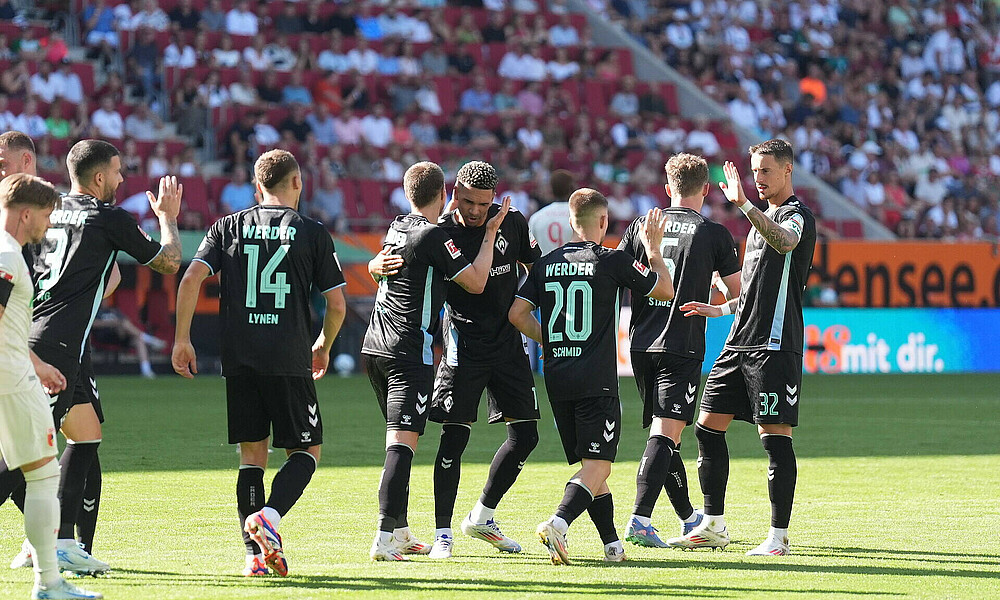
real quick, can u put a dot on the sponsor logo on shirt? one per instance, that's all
(643, 269)
(6, 276)
(452, 249)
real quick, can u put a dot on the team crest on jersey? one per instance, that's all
(643, 269)
(501, 244)
(51, 437)
(452, 249)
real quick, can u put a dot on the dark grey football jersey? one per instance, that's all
(769, 313)
(578, 289)
(693, 248)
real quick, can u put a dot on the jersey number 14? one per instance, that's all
(271, 281)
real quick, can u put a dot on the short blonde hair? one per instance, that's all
(21, 189)
(687, 174)
(585, 202)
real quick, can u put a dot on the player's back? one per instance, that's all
(408, 304)
(269, 257)
(550, 226)
(693, 248)
(71, 267)
(578, 288)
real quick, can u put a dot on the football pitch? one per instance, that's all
(897, 497)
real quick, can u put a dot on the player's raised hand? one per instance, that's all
(493, 225)
(732, 187)
(167, 203)
(384, 264)
(184, 360)
(652, 230)
(320, 361)
(695, 309)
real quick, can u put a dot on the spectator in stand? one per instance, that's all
(435, 62)
(456, 130)
(265, 134)
(243, 91)
(496, 29)
(158, 164)
(269, 91)
(327, 202)
(214, 93)
(625, 133)
(356, 95)
(701, 140)
(131, 160)
(342, 20)
(213, 18)
(321, 124)
(530, 101)
(187, 164)
(314, 21)
(931, 190)
(403, 94)
(365, 163)
(289, 21)
(362, 59)
(185, 17)
(392, 165)
(672, 137)
(254, 55)
(505, 101)
(144, 62)
(466, 32)
(150, 15)
(562, 67)
(14, 80)
(461, 63)
(238, 193)
(424, 131)
(564, 33)
(347, 127)
(621, 211)
(54, 48)
(82, 127)
(334, 59)
(388, 60)
(42, 85)
(179, 53)
(143, 125)
(393, 23)
(376, 128)
(369, 26)
(530, 135)
(409, 64)
(478, 98)
(295, 92)
(296, 124)
(742, 111)
(241, 21)
(57, 126)
(6, 116)
(326, 91)
(280, 54)
(401, 135)
(625, 102)
(190, 111)
(106, 120)
(528, 66)
(99, 23)
(427, 98)
(29, 121)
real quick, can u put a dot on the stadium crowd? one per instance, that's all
(895, 102)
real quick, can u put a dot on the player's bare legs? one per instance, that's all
(781, 475)
(713, 473)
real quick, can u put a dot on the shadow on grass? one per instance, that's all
(400, 582)
(880, 553)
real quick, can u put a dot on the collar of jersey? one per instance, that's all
(86, 197)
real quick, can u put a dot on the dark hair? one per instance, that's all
(584, 202)
(86, 157)
(779, 149)
(562, 184)
(273, 167)
(422, 183)
(21, 189)
(478, 175)
(15, 140)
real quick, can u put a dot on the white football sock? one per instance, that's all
(481, 514)
(560, 524)
(780, 535)
(716, 522)
(644, 521)
(615, 544)
(692, 518)
(41, 520)
(443, 531)
(385, 537)
(271, 515)
(401, 533)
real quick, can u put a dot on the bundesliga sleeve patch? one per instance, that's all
(452, 249)
(643, 269)
(794, 223)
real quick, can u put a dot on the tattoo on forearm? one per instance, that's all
(779, 238)
(169, 258)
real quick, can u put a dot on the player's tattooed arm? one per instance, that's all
(522, 317)
(781, 239)
(166, 205)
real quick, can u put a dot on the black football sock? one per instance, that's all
(781, 475)
(10, 480)
(652, 474)
(713, 468)
(290, 481)
(677, 486)
(602, 513)
(403, 520)
(86, 522)
(75, 462)
(522, 437)
(575, 500)
(448, 471)
(249, 499)
(392, 488)
(17, 496)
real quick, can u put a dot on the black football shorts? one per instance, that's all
(258, 404)
(668, 385)
(589, 427)
(760, 386)
(403, 390)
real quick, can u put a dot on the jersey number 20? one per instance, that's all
(577, 296)
(279, 286)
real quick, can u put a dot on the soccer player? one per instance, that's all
(270, 257)
(667, 348)
(482, 351)
(577, 288)
(758, 375)
(397, 348)
(27, 435)
(550, 224)
(72, 270)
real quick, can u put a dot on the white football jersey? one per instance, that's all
(16, 372)
(550, 226)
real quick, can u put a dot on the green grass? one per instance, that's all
(898, 478)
